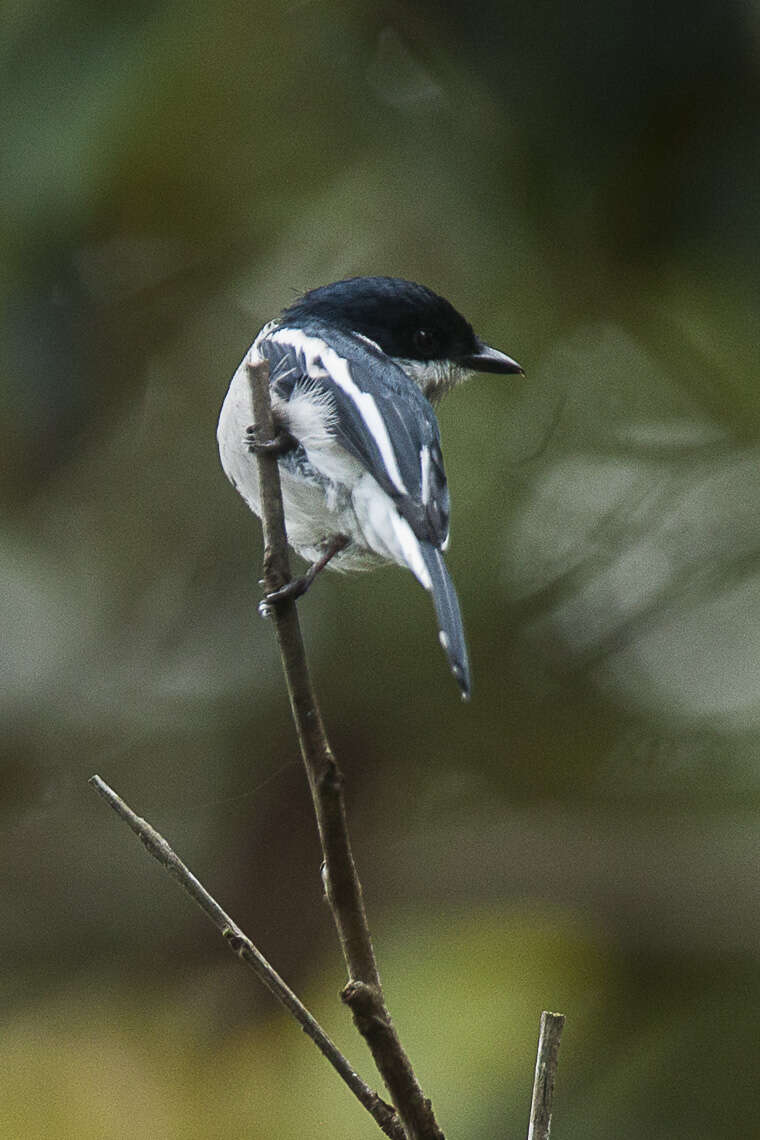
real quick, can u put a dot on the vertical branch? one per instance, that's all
(325, 780)
(363, 994)
(549, 1035)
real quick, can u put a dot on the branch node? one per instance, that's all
(330, 780)
(237, 942)
(362, 998)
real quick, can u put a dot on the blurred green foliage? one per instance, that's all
(582, 181)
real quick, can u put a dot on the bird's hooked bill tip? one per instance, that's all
(488, 359)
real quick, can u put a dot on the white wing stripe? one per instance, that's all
(410, 549)
(339, 370)
(425, 474)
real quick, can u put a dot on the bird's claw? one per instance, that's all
(282, 443)
(296, 588)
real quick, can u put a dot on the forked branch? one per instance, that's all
(412, 1118)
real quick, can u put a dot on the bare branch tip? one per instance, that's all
(550, 1032)
(105, 790)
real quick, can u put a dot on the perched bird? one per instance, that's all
(355, 369)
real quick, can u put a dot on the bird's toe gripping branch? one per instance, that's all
(282, 443)
(297, 587)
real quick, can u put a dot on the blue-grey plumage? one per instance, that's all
(355, 368)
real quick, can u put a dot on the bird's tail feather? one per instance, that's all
(451, 632)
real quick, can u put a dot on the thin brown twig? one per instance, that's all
(547, 1057)
(384, 1114)
(363, 993)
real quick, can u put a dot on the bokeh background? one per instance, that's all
(583, 181)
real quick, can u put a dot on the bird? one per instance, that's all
(356, 369)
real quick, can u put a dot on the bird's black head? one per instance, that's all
(409, 322)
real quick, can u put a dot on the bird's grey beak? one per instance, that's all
(488, 359)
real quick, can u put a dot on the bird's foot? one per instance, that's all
(293, 589)
(282, 443)
(297, 587)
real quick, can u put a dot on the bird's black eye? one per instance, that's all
(424, 342)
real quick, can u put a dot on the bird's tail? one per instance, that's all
(450, 630)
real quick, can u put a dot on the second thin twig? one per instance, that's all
(241, 945)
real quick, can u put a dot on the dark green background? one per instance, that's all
(583, 182)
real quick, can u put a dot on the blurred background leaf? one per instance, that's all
(583, 182)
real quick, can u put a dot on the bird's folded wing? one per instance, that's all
(378, 415)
